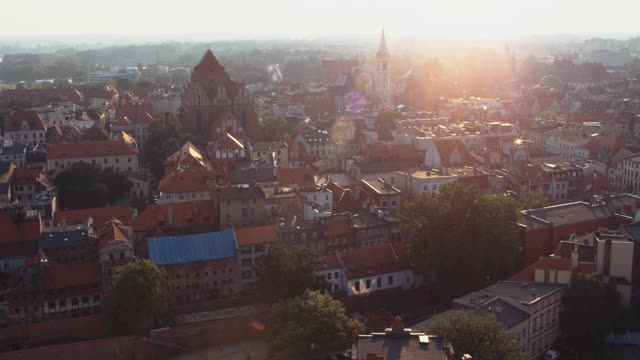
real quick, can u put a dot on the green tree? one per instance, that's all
(86, 185)
(313, 317)
(162, 142)
(589, 314)
(137, 298)
(275, 127)
(291, 265)
(479, 335)
(536, 199)
(458, 225)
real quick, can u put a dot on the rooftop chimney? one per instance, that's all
(397, 327)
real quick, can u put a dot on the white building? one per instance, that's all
(108, 153)
(541, 301)
(350, 271)
(415, 182)
(97, 77)
(317, 203)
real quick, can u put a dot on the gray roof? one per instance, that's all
(508, 314)
(15, 149)
(519, 293)
(239, 193)
(632, 231)
(64, 239)
(251, 175)
(4, 167)
(403, 347)
(373, 167)
(563, 214)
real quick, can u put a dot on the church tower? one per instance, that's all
(383, 72)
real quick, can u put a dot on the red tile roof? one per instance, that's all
(256, 235)
(552, 263)
(327, 263)
(597, 184)
(183, 180)
(298, 176)
(339, 227)
(24, 175)
(208, 66)
(112, 231)
(14, 230)
(31, 118)
(183, 214)
(64, 276)
(372, 261)
(400, 152)
(96, 133)
(88, 149)
(100, 216)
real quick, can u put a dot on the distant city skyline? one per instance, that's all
(299, 19)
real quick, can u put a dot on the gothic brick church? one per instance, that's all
(213, 104)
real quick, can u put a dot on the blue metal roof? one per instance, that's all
(192, 248)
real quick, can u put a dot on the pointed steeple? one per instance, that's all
(209, 65)
(382, 49)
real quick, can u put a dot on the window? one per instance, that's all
(378, 282)
(368, 284)
(62, 302)
(74, 301)
(51, 304)
(128, 159)
(96, 298)
(85, 299)
(390, 279)
(105, 161)
(357, 285)
(328, 276)
(336, 275)
(246, 262)
(117, 160)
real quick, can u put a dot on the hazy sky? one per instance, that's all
(295, 18)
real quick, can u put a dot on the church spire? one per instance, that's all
(382, 49)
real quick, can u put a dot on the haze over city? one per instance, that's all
(295, 19)
(324, 180)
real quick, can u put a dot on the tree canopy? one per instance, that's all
(291, 265)
(591, 310)
(162, 142)
(137, 296)
(275, 127)
(313, 317)
(465, 239)
(479, 335)
(536, 199)
(86, 185)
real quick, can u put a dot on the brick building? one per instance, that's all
(213, 104)
(542, 229)
(200, 268)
